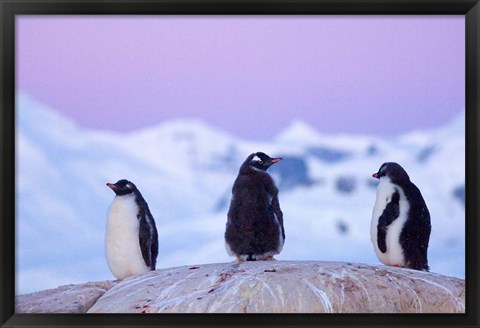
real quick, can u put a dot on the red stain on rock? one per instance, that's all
(224, 276)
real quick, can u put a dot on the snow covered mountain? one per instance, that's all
(185, 170)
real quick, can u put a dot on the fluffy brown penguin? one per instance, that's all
(254, 229)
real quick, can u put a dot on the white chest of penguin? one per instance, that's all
(122, 247)
(394, 254)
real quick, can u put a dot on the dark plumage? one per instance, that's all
(404, 203)
(254, 229)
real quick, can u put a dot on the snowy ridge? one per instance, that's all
(185, 170)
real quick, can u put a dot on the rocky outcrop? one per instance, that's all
(64, 299)
(275, 287)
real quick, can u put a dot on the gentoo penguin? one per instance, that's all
(400, 228)
(131, 239)
(254, 229)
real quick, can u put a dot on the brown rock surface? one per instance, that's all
(64, 299)
(284, 286)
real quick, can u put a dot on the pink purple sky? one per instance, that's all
(248, 75)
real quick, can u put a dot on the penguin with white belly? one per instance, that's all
(131, 238)
(400, 229)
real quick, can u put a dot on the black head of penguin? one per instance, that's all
(122, 187)
(394, 171)
(260, 161)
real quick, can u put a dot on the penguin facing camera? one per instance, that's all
(254, 229)
(400, 228)
(131, 238)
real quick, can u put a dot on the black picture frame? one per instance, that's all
(10, 8)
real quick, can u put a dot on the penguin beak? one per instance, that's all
(112, 186)
(375, 175)
(276, 160)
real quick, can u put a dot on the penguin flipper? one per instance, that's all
(148, 239)
(389, 214)
(275, 206)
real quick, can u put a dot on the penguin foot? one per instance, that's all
(251, 258)
(238, 260)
